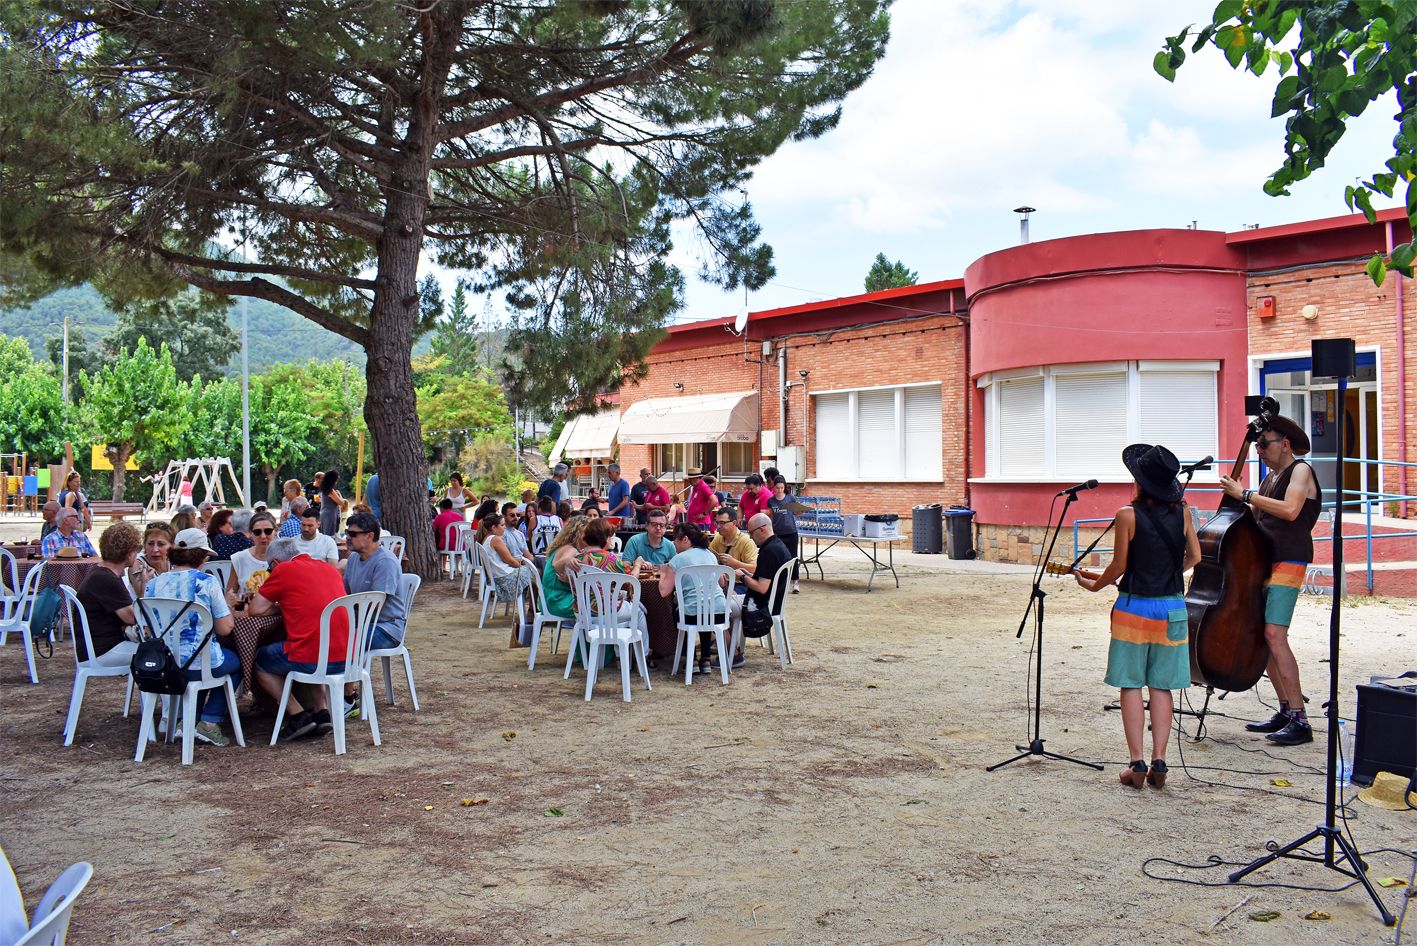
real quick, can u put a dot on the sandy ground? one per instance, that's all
(843, 801)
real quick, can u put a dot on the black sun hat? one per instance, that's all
(1155, 470)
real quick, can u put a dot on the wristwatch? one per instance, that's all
(1245, 496)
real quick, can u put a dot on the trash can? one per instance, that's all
(926, 533)
(959, 532)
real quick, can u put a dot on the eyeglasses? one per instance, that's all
(352, 533)
(263, 532)
(724, 522)
(754, 530)
(659, 525)
(1266, 444)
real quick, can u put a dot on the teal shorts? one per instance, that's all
(1282, 592)
(1150, 643)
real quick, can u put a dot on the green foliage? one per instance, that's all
(490, 465)
(34, 419)
(332, 393)
(135, 405)
(455, 336)
(1347, 54)
(887, 275)
(215, 428)
(281, 428)
(456, 407)
(194, 326)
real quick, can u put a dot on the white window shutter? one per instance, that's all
(1090, 424)
(879, 444)
(923, 433)
(1178, 410)
(833, 447)
(1021, 427)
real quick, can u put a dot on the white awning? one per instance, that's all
(705, 418)
(589, 436)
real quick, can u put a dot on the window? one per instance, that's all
(1072, 421)
(879, 434)
(737, 460)
(675, 458)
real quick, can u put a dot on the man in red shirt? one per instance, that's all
(300, 587)
(702, 499)
(656, 497)
(447, 516)
(754, 499)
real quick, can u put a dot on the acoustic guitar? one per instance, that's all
(1058, 568)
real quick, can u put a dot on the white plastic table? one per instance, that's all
(858, 542)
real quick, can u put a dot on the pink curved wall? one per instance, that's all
(1146, 294)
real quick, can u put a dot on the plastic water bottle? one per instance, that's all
(1345, 750)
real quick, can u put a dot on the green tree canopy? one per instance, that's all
(1347, 55)
(214, 412)
(281, 425)
(887, 275)
(194, 326)
(135, 405)
(455, 335)
(33, 418)
(545, 147)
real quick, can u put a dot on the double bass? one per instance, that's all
(1225, 603)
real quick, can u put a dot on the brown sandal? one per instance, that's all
(1134, 776)
(1156, 778)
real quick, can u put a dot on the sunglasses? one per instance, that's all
(352, 533)
(1265, 444)
(263, 532)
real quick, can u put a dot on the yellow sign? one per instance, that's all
(98, 459)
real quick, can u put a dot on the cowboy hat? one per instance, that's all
(1155, 469)
(1286, 428)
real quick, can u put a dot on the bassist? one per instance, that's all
(1285, 507)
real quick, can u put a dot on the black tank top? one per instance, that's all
(1156, 553)
(1293, 541)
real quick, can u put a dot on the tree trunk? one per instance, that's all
(118, 454)
(270, 482)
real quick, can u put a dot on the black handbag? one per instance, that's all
(154, 668)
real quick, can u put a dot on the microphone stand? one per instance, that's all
(1337, 848)
(1035, 605)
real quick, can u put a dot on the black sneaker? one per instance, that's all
(1296, 733)
(1274, 724)
(323, 724)
(302, 724)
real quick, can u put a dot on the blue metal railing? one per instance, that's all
(1365, 497)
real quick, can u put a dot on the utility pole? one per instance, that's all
(245, 402)
(65, 368)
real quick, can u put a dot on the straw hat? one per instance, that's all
(67, 551)
(1387, 791)
(1155, 470)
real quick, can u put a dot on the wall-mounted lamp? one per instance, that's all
(1310, 312)
(678, 385)
(803, 374)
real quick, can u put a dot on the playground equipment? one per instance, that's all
(19, 485)
(205, 476)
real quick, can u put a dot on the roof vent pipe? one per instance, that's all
(1023, 213)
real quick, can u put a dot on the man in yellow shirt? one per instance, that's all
(732, 546)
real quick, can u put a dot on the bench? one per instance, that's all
(114, 510)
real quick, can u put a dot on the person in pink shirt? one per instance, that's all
(702, 498)
(754, 499)
(656, 497)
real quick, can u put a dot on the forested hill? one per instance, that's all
(276, 334)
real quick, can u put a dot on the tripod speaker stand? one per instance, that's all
(1035, 605)
(1331, 358)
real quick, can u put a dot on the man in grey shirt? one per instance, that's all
(370, 567)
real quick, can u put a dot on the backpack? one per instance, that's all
(154, 668)
(44, 617)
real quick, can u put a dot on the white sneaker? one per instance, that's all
(796, 588)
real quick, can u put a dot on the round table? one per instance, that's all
(249, 635)
(58, 571)
(659, 618)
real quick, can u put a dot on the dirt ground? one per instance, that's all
(842, 801)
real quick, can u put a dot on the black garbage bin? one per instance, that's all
(926, 529)
(959, 532)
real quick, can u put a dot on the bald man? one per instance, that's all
(49, 510)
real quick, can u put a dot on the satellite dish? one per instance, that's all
(740, 321)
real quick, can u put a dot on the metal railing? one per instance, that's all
(1364, 497)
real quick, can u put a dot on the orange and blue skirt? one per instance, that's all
(1150, 643)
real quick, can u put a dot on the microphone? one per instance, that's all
(1074, 490)
(1198, 465)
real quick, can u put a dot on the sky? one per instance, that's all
(981, 107)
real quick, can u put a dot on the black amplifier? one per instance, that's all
(1387, 728)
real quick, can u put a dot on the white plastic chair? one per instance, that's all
(9, 574)
(487, 590)
(542, 537)
(395, 544)
(704, 580)
(148, 611)
(455, 536)
(540, 617)
(601, 597)
(50, 926)
(89, 667)
(777, 593)
(221, 569)
(408, 588)
(362, 611)
(471, 569)
(15, 617)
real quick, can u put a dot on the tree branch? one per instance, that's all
(262, 289)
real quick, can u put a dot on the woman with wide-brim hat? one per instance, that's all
(1150, 633)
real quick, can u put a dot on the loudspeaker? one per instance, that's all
(1386, 740)
(1333, 357)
